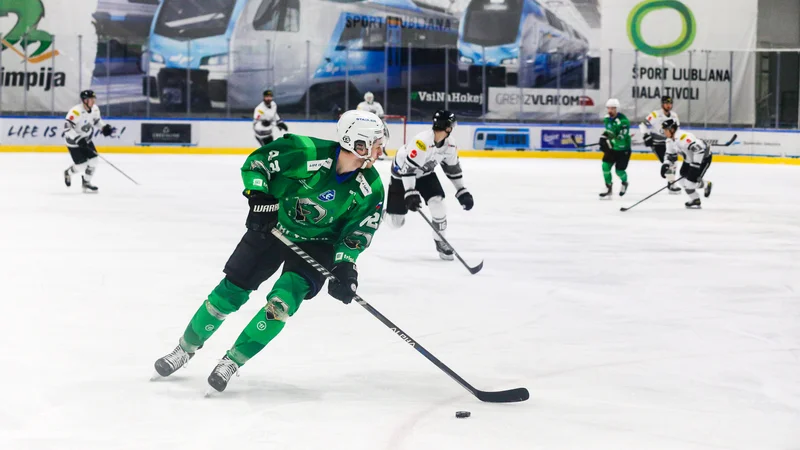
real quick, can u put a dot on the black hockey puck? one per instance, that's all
(462, 414)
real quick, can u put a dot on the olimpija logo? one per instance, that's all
(684, 40)
(34, 46)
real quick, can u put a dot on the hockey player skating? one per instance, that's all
(696, 159)
(323, 195)
(651, 129)
(413, 177)
(615, 143)
(266, 118)
(369, 104)
(80, 125)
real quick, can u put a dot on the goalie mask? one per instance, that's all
(358, 131)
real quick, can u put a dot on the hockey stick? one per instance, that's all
(623, 209)
(118, 170)
(472, 270)
(727, 144)
(575, 143)
(512, 395)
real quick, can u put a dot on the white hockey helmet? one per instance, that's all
(612, 103)
(368, 97)
(355, 126)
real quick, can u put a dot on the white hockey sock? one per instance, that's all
(438, 215)
(90, 168)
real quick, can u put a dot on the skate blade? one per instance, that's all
(87, 191)
(155, 376)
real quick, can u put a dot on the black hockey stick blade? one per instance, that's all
(509, 396)
(513, 395)
(476, 269)
(623, 209)
(472, 270)
(727, 144)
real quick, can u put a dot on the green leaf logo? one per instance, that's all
(683, 42)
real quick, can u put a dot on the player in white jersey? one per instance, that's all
(696, 159)
(79, 127)
(265, 119)
(369, 104)
(414, 179)
(651, 129)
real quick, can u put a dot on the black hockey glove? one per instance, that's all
(604, 146)
(664, 169)
(265, 123)
(282, 126)
(465, 198)
(263, 213)
(108, 130)
(413, 200)
(648, 140)
(344, 288)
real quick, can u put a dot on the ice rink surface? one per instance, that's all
(658, 328)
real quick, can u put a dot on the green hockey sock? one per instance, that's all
(282, 302)
(607, 172)
(622, 175)
(223, 300)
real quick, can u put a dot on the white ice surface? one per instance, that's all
(658, 328)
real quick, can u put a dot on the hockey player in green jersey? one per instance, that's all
(616, 146)
(323, 195)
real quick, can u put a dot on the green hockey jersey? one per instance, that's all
(316, 204)
(618, 131)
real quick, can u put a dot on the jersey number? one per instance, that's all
(306, 210)
(371, 221)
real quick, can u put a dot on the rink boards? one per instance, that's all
(509, 140)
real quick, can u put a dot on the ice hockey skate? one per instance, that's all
(88, 187)
(68, 177)
(607, 193)
(445, 252)
(707, 190)
(167, 365)
(693, 204)
(222, 374)
(624, 188)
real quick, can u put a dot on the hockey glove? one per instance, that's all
(108, 130)
(413, 200)
(346, 283)
(465, 198)
(263, 215)
(648, 140)
(265, 123)
(604, 146)
(282, 126)
(664, 169)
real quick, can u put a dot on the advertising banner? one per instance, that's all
(694, 51)
(39, 52)
(166, 133)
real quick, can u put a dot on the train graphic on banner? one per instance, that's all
(516, 43)
(233, 49)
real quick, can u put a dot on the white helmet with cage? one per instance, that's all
(369, 97)
(359, 126)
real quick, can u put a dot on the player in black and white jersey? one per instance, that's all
(414, 179)
(651, 129)
(696, 159)
(81, 121)
(265, 119)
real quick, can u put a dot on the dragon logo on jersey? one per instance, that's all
(679, 45)
(327, 196)
(357, 240)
